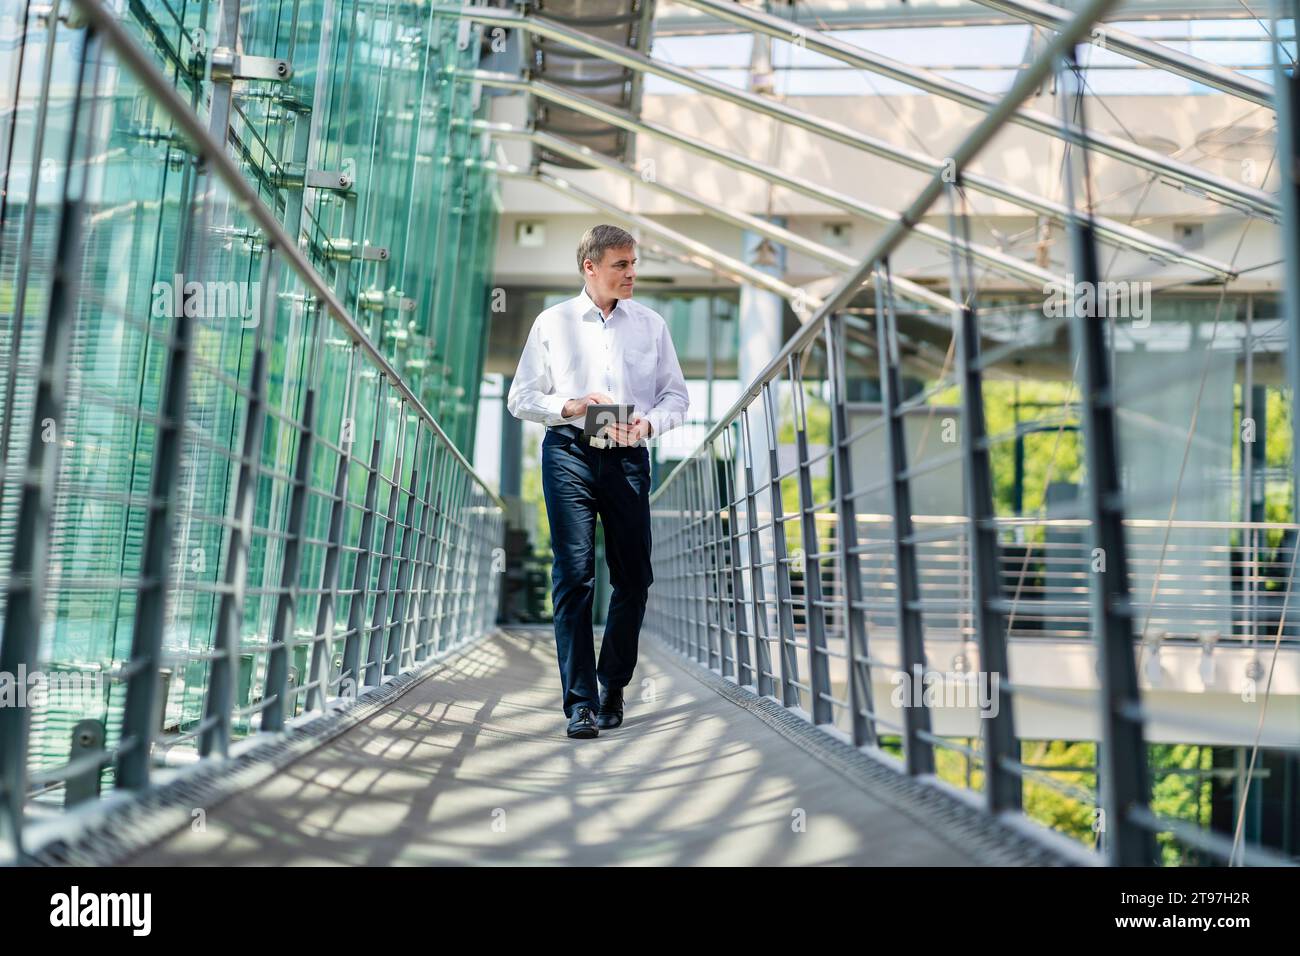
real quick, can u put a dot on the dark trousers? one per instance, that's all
(579, 482)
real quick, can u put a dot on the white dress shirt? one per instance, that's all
(573, 349)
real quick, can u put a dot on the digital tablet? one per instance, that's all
(598, 416)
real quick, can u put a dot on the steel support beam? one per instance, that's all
(1136, 48)
(737, 270)
(911, 290)
(922, 79)
(1115, 233)
(1222, 189)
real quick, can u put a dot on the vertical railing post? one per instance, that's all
(140, 718)
(351, 671)
(1286, 83)
(744, 661)
(705, 578)
(1002, 787)
(224, 673)
(397, 620)
(718, 577)
(462, 569)
(323, 634)
(814, 611)
(918, 751)
(423, 551)
(765, 686)
(682, 559)
(29, 563)
(456, 511)
(22, 268)
(278, 706)
(379, 616)
(1123, 763)
(780, 556)
(856, 643)
(694, 647)
(425, 635)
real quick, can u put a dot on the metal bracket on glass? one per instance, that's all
(293, 176)
(376, 300)
(345, 249)
(227, 66)
(251, 238)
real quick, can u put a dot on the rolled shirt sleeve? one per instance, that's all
(532, 392)
(671, 397)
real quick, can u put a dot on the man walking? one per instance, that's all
(599, 347)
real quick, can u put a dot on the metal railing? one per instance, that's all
(223, 525)
(812, 578)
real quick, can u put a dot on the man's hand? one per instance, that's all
(637, 429)
(577, 406)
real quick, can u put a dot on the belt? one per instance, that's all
(574, 435)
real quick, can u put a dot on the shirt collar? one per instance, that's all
(588, 306)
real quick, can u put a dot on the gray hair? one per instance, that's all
(599, 238)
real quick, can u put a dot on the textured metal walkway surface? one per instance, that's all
(473, 766)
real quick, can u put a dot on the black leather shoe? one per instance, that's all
(611, 708)
(582, 724)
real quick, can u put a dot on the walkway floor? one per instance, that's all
(473, 766)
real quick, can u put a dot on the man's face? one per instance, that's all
(613, 276)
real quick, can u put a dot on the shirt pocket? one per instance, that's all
(641, 363)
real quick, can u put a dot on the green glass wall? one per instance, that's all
(114, 213)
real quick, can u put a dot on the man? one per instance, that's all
(599, 347)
